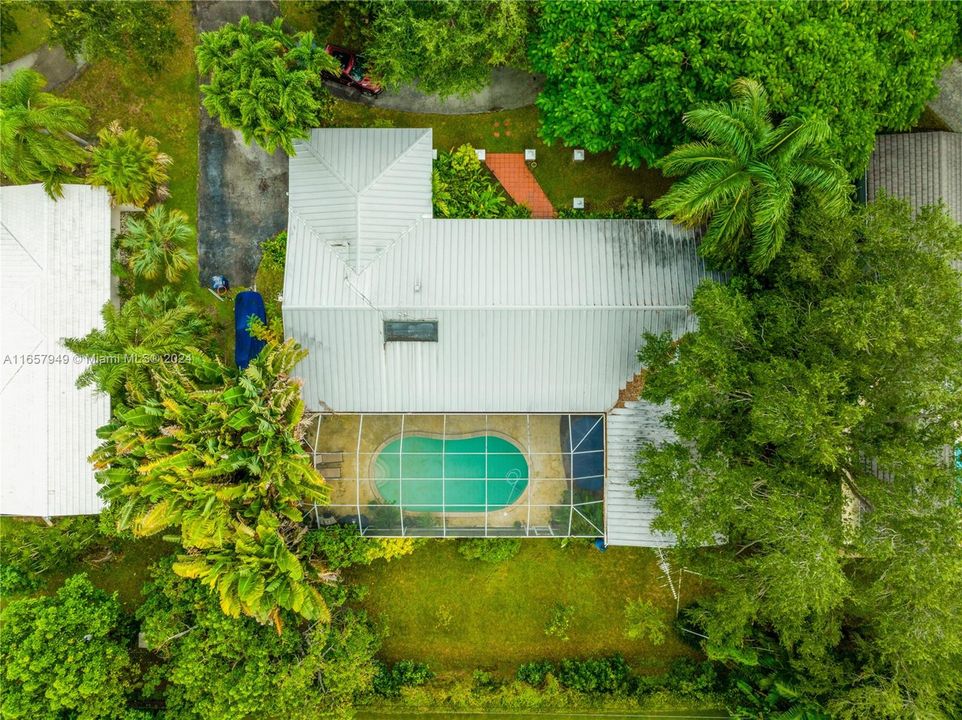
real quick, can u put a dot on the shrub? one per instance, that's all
(388, 681)
(274, 251)
(483, 680)
(560, 621)
(692, 679)
(490, 550)
(534, 673)
(343, 545)
(462, 188)
(131, 167)
(65, 655)
(645, 621)
(595, 676)
(630, 209)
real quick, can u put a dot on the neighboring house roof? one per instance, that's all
(628, 518)
(533, 315)
(54, 279)
(923, 168)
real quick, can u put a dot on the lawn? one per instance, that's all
(31, 32)
(596, 179)
(499, 611)
(124, 573)
(164, 104)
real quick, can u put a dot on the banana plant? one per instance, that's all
(256, 574)
(218, 454)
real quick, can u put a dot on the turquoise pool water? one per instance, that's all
(425, 474)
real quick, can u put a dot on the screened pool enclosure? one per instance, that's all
(462, 475)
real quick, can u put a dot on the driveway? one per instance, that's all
(241, 190)
(508, 89)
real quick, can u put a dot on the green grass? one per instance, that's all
(500, 611)
(164, 104)
(31, 32)
(125, 573)
(601, 184)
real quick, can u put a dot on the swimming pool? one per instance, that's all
(454, 475)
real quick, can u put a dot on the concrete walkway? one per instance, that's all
(51, 62)
(508, 89)
(520, 184)
(241, 190)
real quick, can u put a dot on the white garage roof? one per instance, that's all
(532, 315)
(54, 279)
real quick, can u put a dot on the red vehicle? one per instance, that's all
(352, 70)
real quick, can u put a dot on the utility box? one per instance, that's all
(578, 203)
(530, 155)
(480, 153)
(579, 155)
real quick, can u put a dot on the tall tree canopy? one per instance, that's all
(745, 175)
(218, 668)
(35, 129)
(265, 83)
(448, 47)
(65, 655)
(117, 30)
(217, 454)
(619, 75)
(131, 167)
(846, 354)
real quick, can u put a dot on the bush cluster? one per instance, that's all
(489, 550)
(388, 681)
(342, 546)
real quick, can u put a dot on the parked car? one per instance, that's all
(352, 70)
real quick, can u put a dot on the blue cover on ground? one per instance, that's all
(247, 304)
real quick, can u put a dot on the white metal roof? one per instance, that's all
(533, 315)
(628, 518)
(358, 191)
(54, 279)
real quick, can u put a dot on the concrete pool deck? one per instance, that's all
(358, 439)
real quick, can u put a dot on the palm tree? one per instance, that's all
(131, 167)
(158, 244)
(125, 354)
(743, 178)
(36, 129)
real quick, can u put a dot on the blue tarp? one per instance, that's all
(247, 304)
(583, 445)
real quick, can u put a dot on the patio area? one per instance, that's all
(461, 475)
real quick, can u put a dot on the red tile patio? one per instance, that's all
(520, 184)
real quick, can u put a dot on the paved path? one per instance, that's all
(241, 190)
(520, 184)
(507, 89)
(51, 62)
